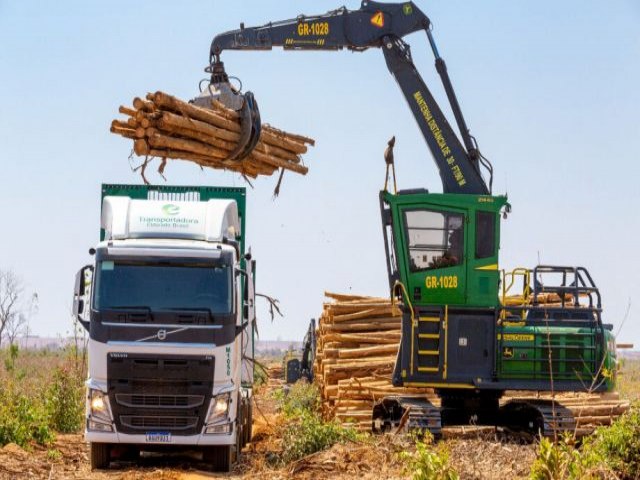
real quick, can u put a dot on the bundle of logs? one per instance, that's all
(165, 127)
(357, 345)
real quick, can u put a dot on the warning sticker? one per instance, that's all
(378, 19)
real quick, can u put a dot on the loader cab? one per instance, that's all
(442, 259)
(443, 248)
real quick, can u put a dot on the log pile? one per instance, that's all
(165, 127)
(590, 410)
(544, 299)
(357, 345)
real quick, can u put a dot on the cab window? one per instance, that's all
(435, 239)
(485, 234)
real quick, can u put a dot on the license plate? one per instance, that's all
(158, 437)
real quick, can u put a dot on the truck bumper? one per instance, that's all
(141, 439)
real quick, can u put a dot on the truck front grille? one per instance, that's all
(151, 392)
(168, 423)
(159, 401)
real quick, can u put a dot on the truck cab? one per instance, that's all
(169, 307)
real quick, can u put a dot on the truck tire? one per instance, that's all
(100, 455)
(219, 457)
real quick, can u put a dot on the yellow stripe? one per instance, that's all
(428, 352)
(438, 385)
(493, 266)
(446, 339)
(428, 335)
(429, 319)
(427, 369)
(413, 336)
(513, 324)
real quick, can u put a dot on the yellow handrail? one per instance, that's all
(413, 318)
(508, 281)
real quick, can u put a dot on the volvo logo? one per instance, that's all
(162, 334)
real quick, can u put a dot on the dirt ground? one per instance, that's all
(475, 454)
(473, 458)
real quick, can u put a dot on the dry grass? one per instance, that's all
(31, 371)
(629, 379)
(475, 456)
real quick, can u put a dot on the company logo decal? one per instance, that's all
(173, 216)
(170, 209)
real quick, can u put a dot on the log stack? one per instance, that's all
(165, 127)
(591, 410)
(357, 344)
(544, 299)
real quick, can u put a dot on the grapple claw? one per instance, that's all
(245, 104)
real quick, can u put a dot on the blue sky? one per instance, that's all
(550, 89)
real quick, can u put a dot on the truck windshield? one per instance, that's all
(159, 287)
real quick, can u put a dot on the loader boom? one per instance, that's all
(378, 25)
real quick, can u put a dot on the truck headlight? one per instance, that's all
(99, 406)
(219, 407)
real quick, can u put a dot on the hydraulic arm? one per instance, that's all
(380, 25)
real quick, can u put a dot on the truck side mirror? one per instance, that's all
(81, 290)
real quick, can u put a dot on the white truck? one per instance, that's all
(169, 307)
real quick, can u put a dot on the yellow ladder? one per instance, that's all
(429, 343)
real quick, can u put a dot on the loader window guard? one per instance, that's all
(435, 239)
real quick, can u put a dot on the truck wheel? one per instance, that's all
(219, 457)
(100, 455)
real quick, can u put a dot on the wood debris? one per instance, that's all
(591, 410)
